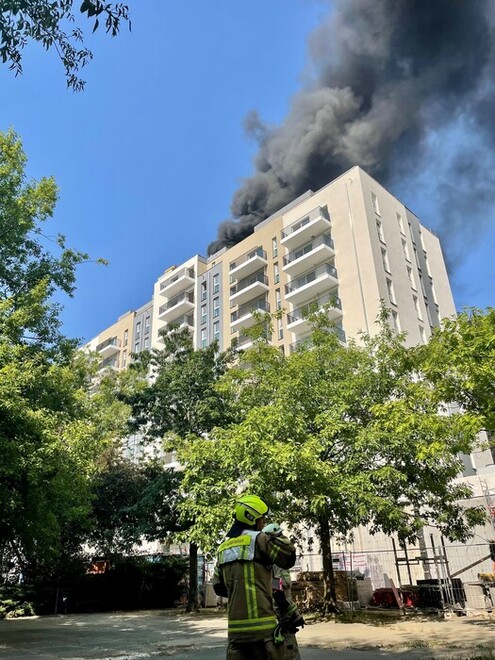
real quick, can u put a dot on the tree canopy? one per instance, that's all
(460, 361)
(52, 430)
(334, 437)
(54, 24)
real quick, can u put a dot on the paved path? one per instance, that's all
(151, 635)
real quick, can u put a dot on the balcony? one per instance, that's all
(311, 284)
(303, 230)
(111, 362)
(186, 321)
(248, 263)
(248, 288)
(177, 307)
(180, 280)
(109, 347)
(244, 342)
(307, 342)
(297, 320)
(311, 254)
(243, 317)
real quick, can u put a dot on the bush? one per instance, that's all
(13, 603)
(131, 583)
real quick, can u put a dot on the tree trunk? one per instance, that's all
(192, 595)
(329, 594)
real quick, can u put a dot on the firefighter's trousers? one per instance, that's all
(263, 650)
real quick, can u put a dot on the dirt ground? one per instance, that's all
(149, 635)
(456, 637)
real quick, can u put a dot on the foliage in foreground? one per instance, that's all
(22, 21)
(52, 430)
(334, 437)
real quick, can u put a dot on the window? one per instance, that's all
(400, 222)
(390, 289)
(216, 283)
(395, 321)
(146, 343)
(379, 229)
(204, 340)
(428, 314)
(280, 328)
(416, 307)
(421, 240)
(124, 358)
(433, 293)
(278, 299)
(203, 314)
(427, 266)
(147, 324)
(422, 285)
(276, 273)
(274, 247)
(216, 331)
(126, 337)
(216, 308)
(203, 291)
(405, 249)
(136, 347)
(138, 329)
(422, 334)
(411, 277)
(386, 265)
(374, 201)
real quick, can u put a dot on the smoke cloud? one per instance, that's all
(387, 77)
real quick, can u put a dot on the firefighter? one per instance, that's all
(244, 575)
(289, 617)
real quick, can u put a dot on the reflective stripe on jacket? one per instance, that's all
(243, 573)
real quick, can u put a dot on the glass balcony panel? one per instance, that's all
(180, 280)
(316, 222)
(247, 263)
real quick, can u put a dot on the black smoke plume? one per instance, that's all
(387, 75)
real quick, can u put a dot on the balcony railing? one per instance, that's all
(109, 363)
(112, 342)
(309, 247)
(248, 281)
(183, 297)
(257, 252)
(305, 310)
(307, 278)
(307, 342)
(183, 272)
(257, 305)
(320, 211)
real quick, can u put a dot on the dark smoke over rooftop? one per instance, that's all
(387, 75)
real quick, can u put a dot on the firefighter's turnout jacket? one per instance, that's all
(244, 575)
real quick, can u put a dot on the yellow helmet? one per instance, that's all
(249, 508)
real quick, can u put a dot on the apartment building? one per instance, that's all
(347, 247)
(114, 344)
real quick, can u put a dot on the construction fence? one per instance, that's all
(431, 575)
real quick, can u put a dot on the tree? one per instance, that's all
(334, 437)
(51, 430)
(181, 399)
(133, 502)
(44, 21)
(460, 362)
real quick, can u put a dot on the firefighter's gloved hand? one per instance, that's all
(292, 623)
(299, 622)
(273, 529)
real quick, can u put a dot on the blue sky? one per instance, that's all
(148, 156)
